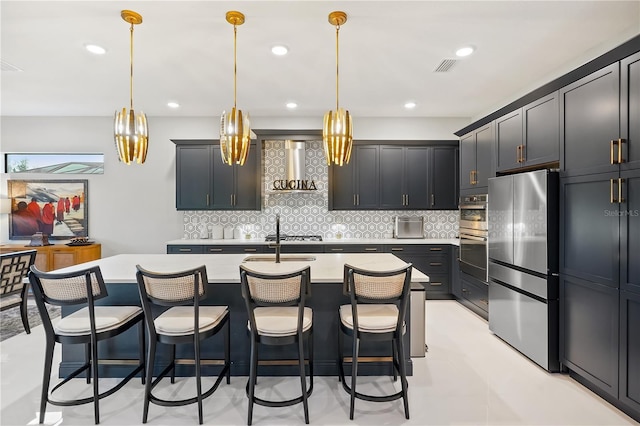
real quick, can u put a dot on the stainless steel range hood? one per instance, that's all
(294, 179)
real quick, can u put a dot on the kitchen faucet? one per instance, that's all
(277, 244)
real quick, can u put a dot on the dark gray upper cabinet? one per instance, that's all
(399, 176)
(193, 177)
(630, 112)
(590, 122)
(354, 186)
(443, 178)
(204, 182)
(529, 136)
(404, 177)
(477, 160)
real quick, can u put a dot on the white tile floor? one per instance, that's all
(468, 377)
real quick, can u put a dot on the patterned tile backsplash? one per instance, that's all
(307, 213)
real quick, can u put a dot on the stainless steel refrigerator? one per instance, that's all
(523, 263)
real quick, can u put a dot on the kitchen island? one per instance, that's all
(224, 289)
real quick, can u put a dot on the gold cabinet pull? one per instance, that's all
(337, 249)
(620, 142)
(215, 250)
(370, 249)
(518, 148)
(397, 249)
(207, 199)
(435, 248)
(612, 158)
(433, 200)
(354, 199)
(188, 250)
(435, 263)
(250, 249)
(407, 198)
(522, 153)
(612, 198)
(435, 283)
(471, 177)
(620, 198)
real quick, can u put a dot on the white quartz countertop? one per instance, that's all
(378, 241)
(224, 268)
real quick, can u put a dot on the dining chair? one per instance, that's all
(376, 314)
(278, 316)
(88, 325)
(14, 268)
(184, 321)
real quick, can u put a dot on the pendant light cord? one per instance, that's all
(235, 66)
(131, 67)
(337, 65)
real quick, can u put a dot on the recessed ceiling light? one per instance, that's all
(279, 50)
(410, 105)
(465, 51)
(95, 49)
(173, 105)
(292, 105)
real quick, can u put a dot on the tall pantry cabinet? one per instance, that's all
(600, 231)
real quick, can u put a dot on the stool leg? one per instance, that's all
(227, 350)
(340, 355)
(46, 378)
(303, 380)
(23, 313)
(354, 372)
(198, 377)
(151, 358)
(142, 354)
(173, 363)
(403, 376)
(96, 391)
(394, 357)
(253, 367)
(87, 360)
(310, 346)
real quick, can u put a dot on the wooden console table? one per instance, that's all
(58, 256)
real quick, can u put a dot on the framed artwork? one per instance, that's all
(54, 163)
(57, 208)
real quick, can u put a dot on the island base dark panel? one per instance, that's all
(325, 300)
(635, 415)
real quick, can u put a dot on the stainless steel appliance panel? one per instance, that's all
(530, 221)
(500, 219)
(409, 227)
(522, 321)
(526, 282)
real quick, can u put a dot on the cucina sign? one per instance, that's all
(294, 184)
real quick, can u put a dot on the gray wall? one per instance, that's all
(132, 208)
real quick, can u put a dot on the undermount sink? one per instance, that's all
(283, 258)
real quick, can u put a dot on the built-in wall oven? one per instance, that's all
(473, 229)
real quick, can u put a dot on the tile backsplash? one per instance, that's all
(307, 213)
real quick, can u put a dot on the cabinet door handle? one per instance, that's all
(407, 198)
(207, 199)
(620, 197)
(215, 250)
(250, 249)
(518, 154)
(187, 250)
(612, 197)
(397, 249)
(471, 177)
(522, 153)
(434, 284)
(231, 199)
(370, 249)
(620, 142)
(612, 158)
(435, 264)
(435, 248)
(433, 200)
(358, 198)
(354, 200)
(337, 249)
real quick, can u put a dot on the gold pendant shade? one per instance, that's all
(235, 126)
(131, 131)
(337, 130)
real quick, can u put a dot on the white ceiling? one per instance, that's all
(388, 51)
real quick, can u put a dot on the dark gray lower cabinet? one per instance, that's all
(630, 350)
(352, 248)
(475, 295)
(589, 319)
(185, 249)
(214, 249)
(430, 259)
(456, 284)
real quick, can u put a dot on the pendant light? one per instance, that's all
(235, 128)
(131, 132)
(337, 131)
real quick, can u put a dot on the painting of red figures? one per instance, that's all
(57, 208)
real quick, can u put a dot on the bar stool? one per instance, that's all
(14, 268)
(376, 313)
(88, 326)
(278, 316)
(180, 325)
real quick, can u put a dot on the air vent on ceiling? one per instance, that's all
(6, 66)
(445, 65)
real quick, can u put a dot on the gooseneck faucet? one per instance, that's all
(277, 245)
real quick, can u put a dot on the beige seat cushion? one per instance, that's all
(280, 321)
(107, 318)
(178, 321)
(372, 318)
